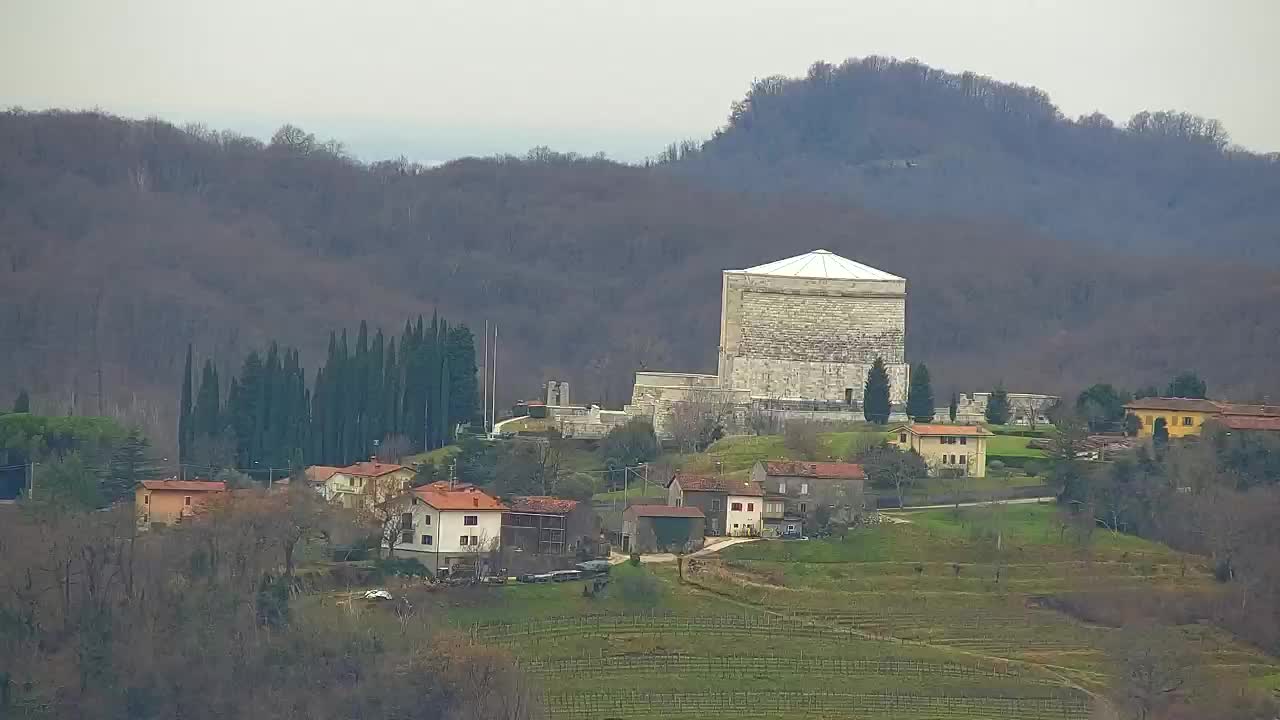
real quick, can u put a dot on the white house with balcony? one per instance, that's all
(446, 525)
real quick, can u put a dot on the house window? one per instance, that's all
(902, 437)
(782, 487)
(462, 540)
(475, 541)
(679, 502)
(751, 507)
(470, 519)
(715, 506)
(964, 459)
(804, 507)
(964, 441)
(146, 499)
(426, 519)
(406, 537)
(791, 528)
(426, 539)
(406, 521)
(737, 507)
(1186, 421)
(848, 396)
(735, 526)
(186, 500)
(804, 488)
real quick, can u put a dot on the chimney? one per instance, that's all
(475, 502)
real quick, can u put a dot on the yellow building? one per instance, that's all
(947, 447)
(169, 501)
(1182, 416)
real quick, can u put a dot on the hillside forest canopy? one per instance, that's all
(1030, 241)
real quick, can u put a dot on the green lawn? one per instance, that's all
(738, 454)
(1010, 446)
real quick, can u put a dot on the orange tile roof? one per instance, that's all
(320, 473)
(665, 511)
(1175, 404)
(542, 504)
(371, 469)
(710, 483)
(825, 470)
(185, 485)
(1240, 409)
(1250, 422)
(466, 497)
(932, 430)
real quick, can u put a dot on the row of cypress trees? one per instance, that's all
(419, 389)
(875, 396)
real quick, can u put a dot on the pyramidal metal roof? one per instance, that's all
(820, 264)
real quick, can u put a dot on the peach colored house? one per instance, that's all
(169, 501)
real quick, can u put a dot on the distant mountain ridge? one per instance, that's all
(903, 137)
(121, 241)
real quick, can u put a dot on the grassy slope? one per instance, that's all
(931, 582)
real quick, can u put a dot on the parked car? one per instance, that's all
(566, 575)
(594, 567)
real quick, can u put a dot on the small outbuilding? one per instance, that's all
(662, 528)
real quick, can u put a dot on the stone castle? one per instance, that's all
(797, 338)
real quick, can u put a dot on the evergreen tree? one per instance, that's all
(184, 412)
(206, 417)
(1187, 385)
(463, 385)
(130, 464)
(998, 406)
(920, 395)
(1160, 432)
(875, 395)
(22, 404)
(954, 408)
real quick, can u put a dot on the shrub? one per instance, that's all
(638, 587)
(400, 567)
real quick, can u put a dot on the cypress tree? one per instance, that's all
(875, 395)
(207, 414)
(463, 385)
(920, 395)
(391, 391)
(22, 404)
(954, 408)
(184, 412)
(998, 406)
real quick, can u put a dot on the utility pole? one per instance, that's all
(493, 397)
(484, 411)
(31, 480)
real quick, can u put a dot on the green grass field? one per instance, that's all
(1010, 446)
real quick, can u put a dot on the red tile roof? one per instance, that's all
(371, 469)
(185, 485)
(1250, 422)
(1259, 410)
(711, 483)
(827, 470)
(665, 511)
(1175, 404)
(460, 497)
(950, 430)
(542, 504)
(321, 473)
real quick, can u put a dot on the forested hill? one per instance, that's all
(904, 137)
(123, 241)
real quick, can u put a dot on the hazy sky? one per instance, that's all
(437, 80)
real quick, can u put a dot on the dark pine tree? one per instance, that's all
(875, 395)
(920, 395)
(22, 404)
(954, 408)
(130, 464)
(998, 406)
(185, 434)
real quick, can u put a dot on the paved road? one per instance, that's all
(1019, 501)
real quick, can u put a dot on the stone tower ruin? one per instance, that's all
(809, 327)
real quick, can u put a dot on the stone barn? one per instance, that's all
(809, 327)
(661, 528)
